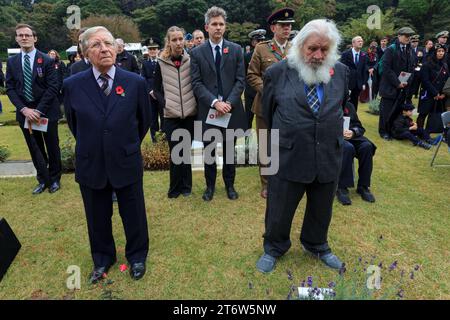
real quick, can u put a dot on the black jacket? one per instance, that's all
(148, 72)
(394, 62)
(79, 66)
(356, 125)
(401, 125)
(433, 75)
(359, 74)
(127, 62)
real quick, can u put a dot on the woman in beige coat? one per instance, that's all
(173, 90)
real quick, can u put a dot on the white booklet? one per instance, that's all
(214, 118)
(346, 123)
(404, 76)
(41, 126)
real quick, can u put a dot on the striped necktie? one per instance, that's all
(313, 99)
(27, 76)
(105, 85)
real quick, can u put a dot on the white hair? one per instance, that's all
(86, 35)
(315, 74)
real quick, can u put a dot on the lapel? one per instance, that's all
(113, 96)
(36, 57)
(19, 68)
(207, 53)
(89, 86)
(297, 86)
(276, 51)
(225, 44)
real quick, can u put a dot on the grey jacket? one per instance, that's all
(310, 147)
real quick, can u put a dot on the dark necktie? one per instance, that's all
(313, 99)
(27, 76)
(105, 84)
(356, 58)
(219, 78)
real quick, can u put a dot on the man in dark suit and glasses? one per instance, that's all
(32, 85)
(107, 111)
(302, 101)
(356, 60)
(218, 79)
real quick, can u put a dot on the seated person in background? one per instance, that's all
(405, 128)
(355, 145)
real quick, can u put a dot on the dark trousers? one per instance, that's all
(413, 135)
(386, 106)
(228, 170)
(48, 143)
(363, 151)
(98, 206)
(155, 112)
(180, 174)
(354, 97)
(282, 201)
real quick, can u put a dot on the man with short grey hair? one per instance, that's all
(302, 101)
(124, 59)
(108, 113)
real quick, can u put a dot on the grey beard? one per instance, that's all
(309, 74)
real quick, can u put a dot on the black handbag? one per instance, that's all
(434, 120)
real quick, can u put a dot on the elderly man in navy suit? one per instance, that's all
(302, 101)
(32, 85)
(218, 80)
(356, 60)
(108, 113)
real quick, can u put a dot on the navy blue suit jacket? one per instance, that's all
(148, 72)
(46, 86)
(108, 130)
(359, 74)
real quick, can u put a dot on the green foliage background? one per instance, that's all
(153, 17)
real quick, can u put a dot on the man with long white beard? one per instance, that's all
(303, 99)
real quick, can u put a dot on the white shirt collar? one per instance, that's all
(111, 73)
(281, 46)
(31, 54)
(354, 52)
(213, 45)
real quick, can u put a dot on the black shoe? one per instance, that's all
(424, 145)
(55, 186)
(342, 196)
(137, 270)
(365, 193)
(173, 195)
(232, 194)
(208, 194)
(39, 188)
(386, 137)
(99, 273)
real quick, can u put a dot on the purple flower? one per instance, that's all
(342, 269)
(359, 259)
(381, 265)
(303, 283)
(400, 293)
(417, 267)
(310, 281)
(411, 275)
(393, 265)
(331, 285)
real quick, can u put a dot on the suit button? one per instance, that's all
(318, 143)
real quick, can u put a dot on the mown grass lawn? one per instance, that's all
(208, 250)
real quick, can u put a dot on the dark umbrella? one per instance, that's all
(41, 164)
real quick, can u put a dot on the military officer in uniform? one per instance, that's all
(442, 39)
(267, 53)
(256, 37)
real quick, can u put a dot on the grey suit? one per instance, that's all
(206, 89)
(310, 154)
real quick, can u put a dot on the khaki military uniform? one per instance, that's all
(266, 53)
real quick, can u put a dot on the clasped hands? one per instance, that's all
(222, 107)
(348, 134)
(31, 114)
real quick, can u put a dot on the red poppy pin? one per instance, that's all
(120, 91)
(346, 111)
(225, 50)
(39, 60)
(332, 72)
(177, 63)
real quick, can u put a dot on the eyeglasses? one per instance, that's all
(98, 44)
(24, 35)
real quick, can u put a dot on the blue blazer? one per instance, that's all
(46, 86)
(108, 130)
(359, 74)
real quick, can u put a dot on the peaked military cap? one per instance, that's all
(285, 15)
(442, 34)
(257, 34)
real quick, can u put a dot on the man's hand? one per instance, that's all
(363, 87)
(348, 134)
(31, 114)
(403, 85)
(222, 107)
(371, 72)
(413, 127)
